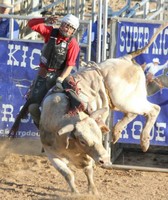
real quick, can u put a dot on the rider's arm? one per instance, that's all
(38, 25)
(72, 54)
(65, 73)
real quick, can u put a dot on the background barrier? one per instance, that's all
(19, 61)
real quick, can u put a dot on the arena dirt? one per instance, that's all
(26, 174)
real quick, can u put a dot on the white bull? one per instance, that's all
(122, 87)
(71, 140)
(118, 84)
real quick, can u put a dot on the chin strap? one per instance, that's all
(64, 34)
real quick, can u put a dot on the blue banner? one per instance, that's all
(18, 67)
(133, 36)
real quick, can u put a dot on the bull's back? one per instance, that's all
(53, 109)
(124, 80)
(54, 117)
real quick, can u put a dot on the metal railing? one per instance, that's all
(77, 7)
(33, 37)
(142, 10)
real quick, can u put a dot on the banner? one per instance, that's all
(133, 36)
(18, 67)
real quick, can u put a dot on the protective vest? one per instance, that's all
(53, 55)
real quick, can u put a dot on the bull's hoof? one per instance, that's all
(115, 137)
(145, 145)
(93, 191)
(42, 150)
(74, 191)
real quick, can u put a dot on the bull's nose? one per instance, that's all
(104, 161)
(101, 162)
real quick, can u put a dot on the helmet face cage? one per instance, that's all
(69, 26)
(61, 29)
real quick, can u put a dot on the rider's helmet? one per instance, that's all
(71, 21)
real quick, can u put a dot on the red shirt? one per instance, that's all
(37, 24)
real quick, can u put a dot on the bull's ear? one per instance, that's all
(104, 129)
(66, 129)
(97, 116)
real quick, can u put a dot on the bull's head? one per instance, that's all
(88, 136)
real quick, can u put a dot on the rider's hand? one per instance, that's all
(59, 83)
(51, 20)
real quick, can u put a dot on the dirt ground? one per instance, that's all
(26, 174)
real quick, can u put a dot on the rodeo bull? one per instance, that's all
(117, 84)
(75, 140)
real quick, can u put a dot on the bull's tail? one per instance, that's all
(21, 115)
(140, 51)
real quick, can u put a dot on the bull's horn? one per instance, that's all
(98, 113)
(140, 51)
(66, 129)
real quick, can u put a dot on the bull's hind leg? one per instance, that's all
(64, 170)
(151, 117)
(118, 128)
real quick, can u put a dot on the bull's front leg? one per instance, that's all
(89, 174)
(119, 127)
(64, 170)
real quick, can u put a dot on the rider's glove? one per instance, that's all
(59, 83)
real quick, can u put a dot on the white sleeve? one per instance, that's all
(148, 66)
(162, 66)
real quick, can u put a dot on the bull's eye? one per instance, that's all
(82, 142)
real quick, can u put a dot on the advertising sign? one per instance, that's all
(18, 67)
(154, 62)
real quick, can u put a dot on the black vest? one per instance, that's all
(53, 55)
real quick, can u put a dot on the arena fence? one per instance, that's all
(98, 11)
